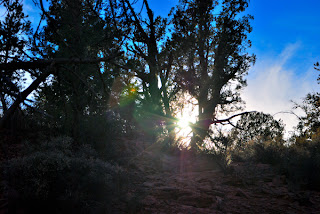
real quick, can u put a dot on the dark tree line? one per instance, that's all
(95, 50)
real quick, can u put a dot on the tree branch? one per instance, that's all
(229, 118)
(23, 95)
(42, 77)
(42, 63)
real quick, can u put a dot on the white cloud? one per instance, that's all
(273, 83)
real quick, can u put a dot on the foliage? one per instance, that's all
(83, 29)
(106, 133)
(211, 58)
(218, 148)
(310, 122)
(157, 60)
(299, 160)
(62, 178)
(269, 152)
(256, 137)
(14, 30)
(301, 164)
(257, 126)
(151, 59)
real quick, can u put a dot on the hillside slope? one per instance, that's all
(183, 183)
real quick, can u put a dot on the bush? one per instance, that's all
(244, 153)
(263, 151)
(269, 152)
(104, 133)
(301, 164)
(64, 180)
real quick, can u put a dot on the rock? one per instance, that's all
(304, 199)
(196, 191)
(148, 184)
(168, 189)
(241, 193)
(220, 203)
(190, 200)
(205, 188)
(149, 200)
(204, 202)
(277, 181)
(212, 192)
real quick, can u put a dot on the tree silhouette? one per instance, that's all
(212, 60)
(257, 125)
(152, 61)
(12, 49)
(71, 41)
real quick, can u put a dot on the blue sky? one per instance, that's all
(278, 24)
(285, 38)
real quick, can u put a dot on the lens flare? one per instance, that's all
(183, 122)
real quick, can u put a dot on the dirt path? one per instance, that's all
(200, 187)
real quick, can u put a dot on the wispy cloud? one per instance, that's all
(273, 82)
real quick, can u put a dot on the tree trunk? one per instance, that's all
(4, 104)
(23, 95)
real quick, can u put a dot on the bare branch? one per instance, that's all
(229, 118)
(136, 21)
(287, 112)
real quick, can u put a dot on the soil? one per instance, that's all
(182, 182)
(188, 184)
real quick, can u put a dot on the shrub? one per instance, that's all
(260, 150)
(63, 179)
(244, 153)
(301, 164)
(269, 152)
(104, 132)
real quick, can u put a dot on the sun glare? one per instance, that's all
(186, 116)
(183, 122)
(184, 131)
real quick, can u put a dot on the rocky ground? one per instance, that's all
(182, 184)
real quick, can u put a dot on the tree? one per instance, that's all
(212, 60)
(84, 30)
(309, 124)
(257, 125)
(54, 52)
(13, 44)
(152, 63)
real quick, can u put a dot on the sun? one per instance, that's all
(183, 131)
(186, 116)
(183, 122)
